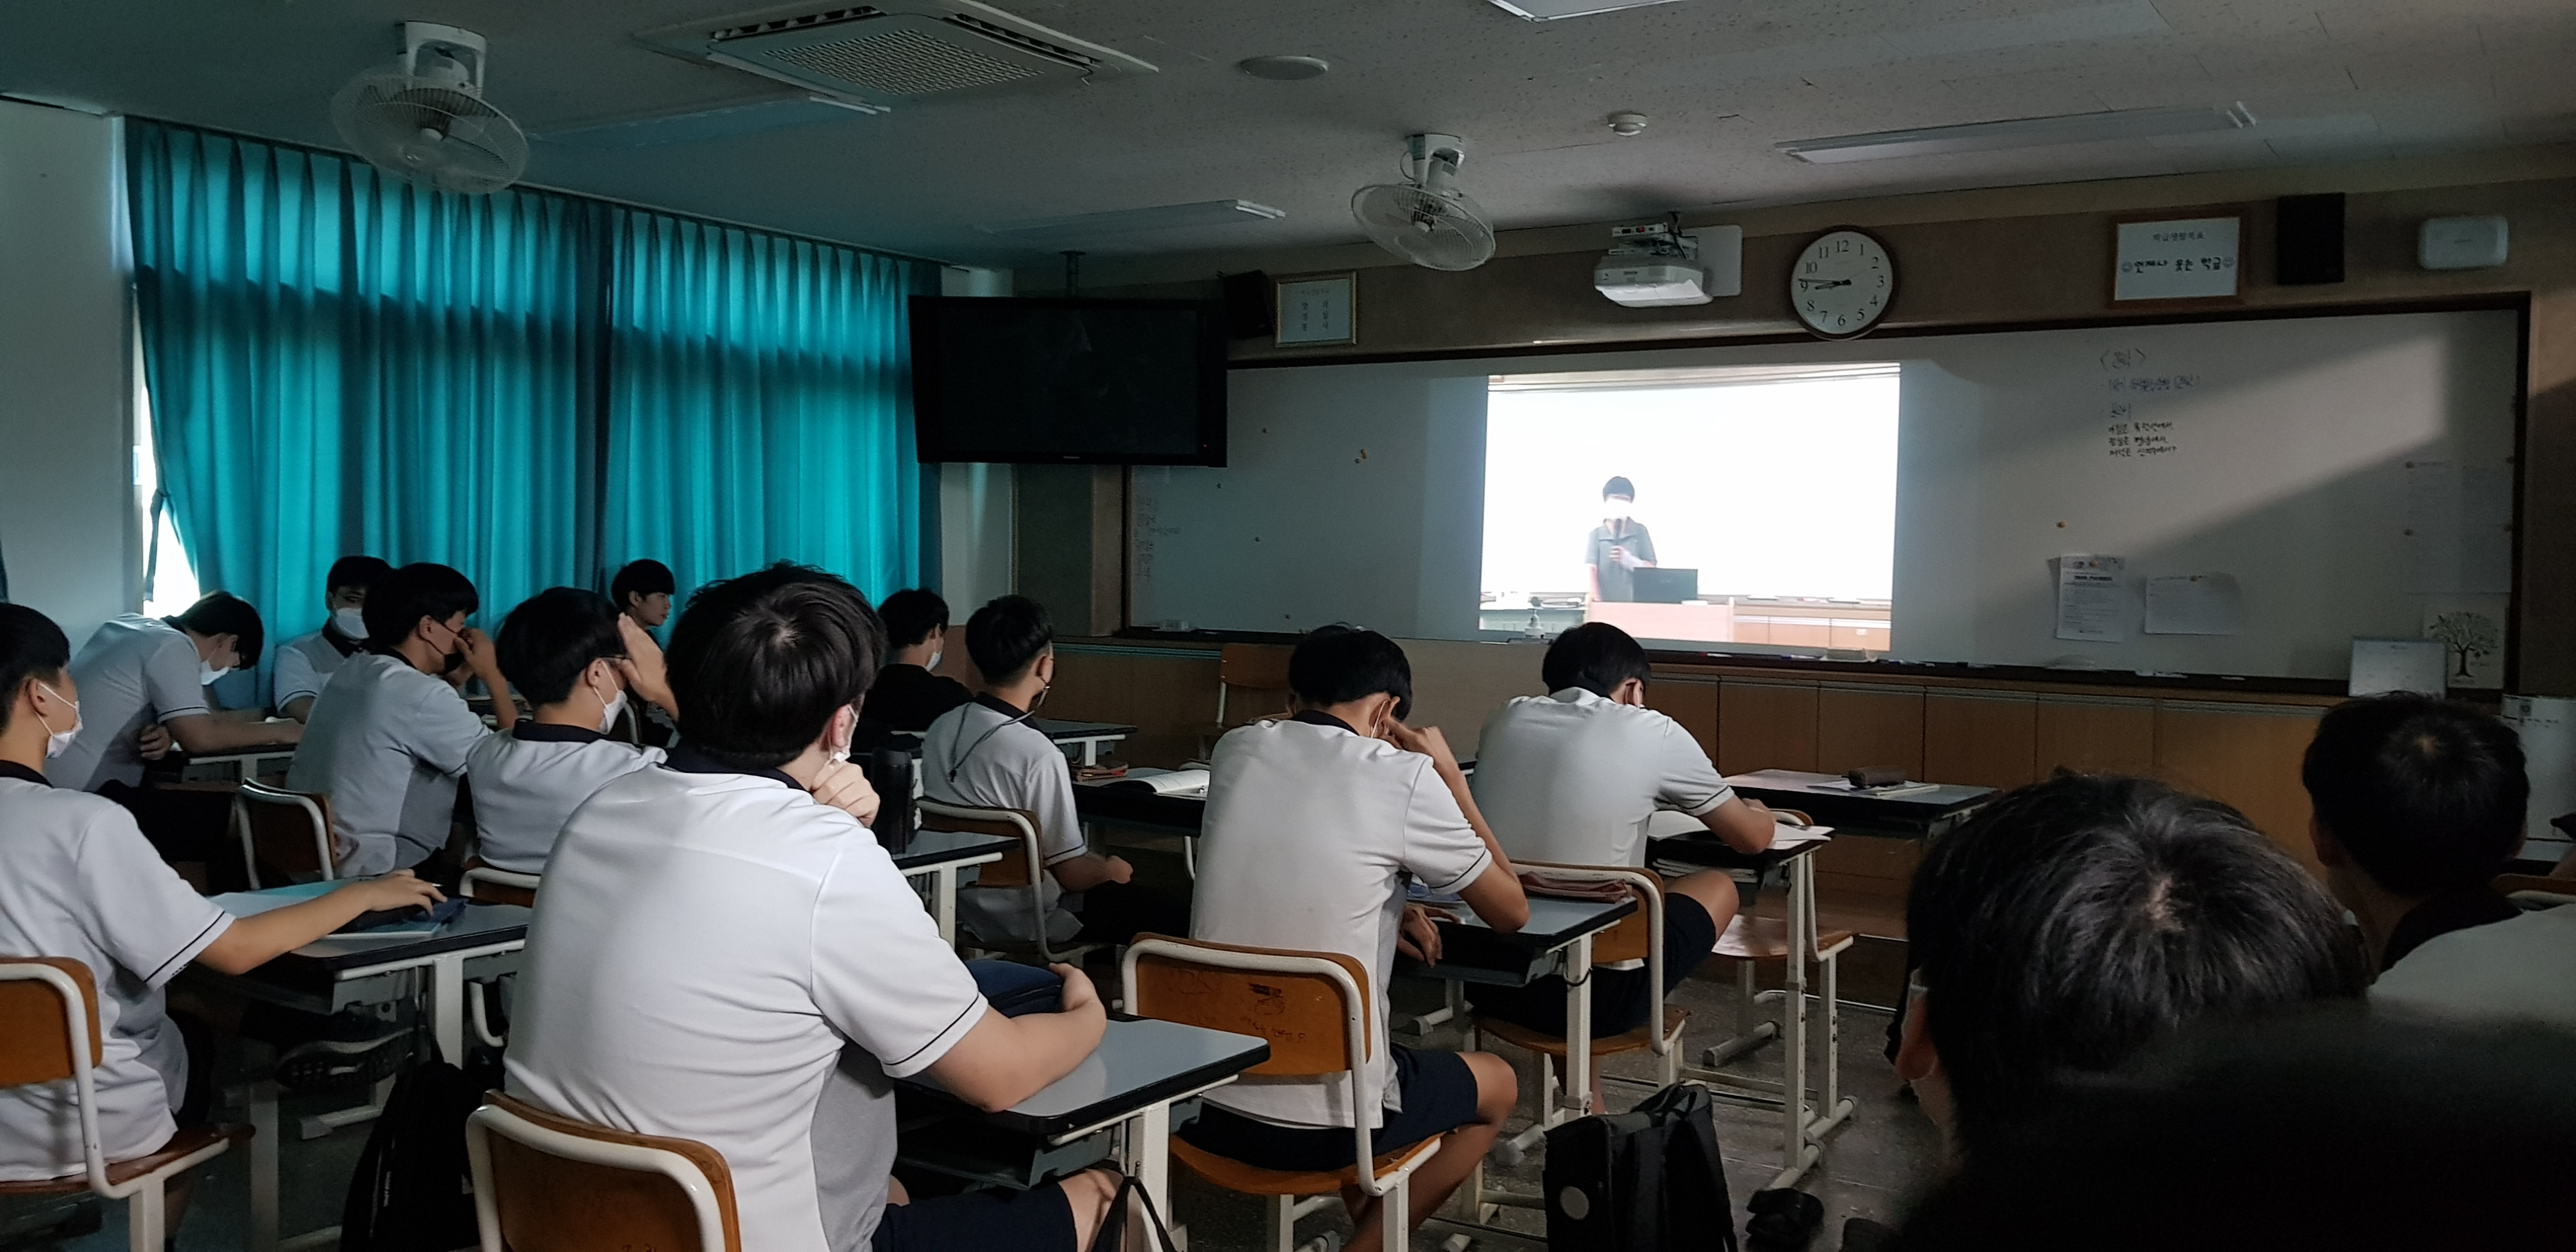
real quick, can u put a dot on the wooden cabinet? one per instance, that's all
(2094, 735)
(2247, 755)
(1872, 725)
(1765, 725)
(1981, 738)
(1693, 704)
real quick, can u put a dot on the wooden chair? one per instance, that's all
(549, 1183)
(1638, 937)
(2536, 891)
(288, 831)
(49, 1033)
(499, 886)
(1247, 667)
(1024, 871)
(1314, 1009)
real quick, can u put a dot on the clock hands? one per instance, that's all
(1823, 282)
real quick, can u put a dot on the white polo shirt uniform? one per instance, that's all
(2521, 968)
(78, 880)
(305, 665)
(526, 783)
(986, 753)
(721, 958)
(1310, 828)
(1573, 777)
(387, 744)
(134, 671)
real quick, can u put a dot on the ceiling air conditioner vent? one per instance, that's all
(895, 51)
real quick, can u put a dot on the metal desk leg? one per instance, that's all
(447, 1006)
(943, 902)
(1578, 1027)
(1091, 752)
(263, 1166)
(1794, 1157)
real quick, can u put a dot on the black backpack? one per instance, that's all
(1647, 1180)
(412, 1191)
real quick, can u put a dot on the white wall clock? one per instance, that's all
(1841, 284)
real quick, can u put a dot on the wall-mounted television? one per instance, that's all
(1068, 381)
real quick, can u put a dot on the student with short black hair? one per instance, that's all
(985, 753)
(78, 880)
(307, 662)
(2072, 923)
(389, 736)
(642, 590)
(1313, 823)
(574, 657)
(1573, 777)
(725, 954)
(2417, 804)
(146, 675)
(1619, 546)
(908, 697)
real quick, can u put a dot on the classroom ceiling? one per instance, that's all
(1720, 80)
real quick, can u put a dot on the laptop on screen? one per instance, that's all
(1664, 586)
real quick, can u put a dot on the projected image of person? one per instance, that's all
(1619, 545)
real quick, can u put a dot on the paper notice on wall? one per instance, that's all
(2195, 604)
(2459, 528)
(2093, 598)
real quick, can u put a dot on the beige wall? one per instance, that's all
(2026, 255)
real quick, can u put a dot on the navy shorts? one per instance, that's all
(1439, 1094)
(1038, 1220)
(1620, 997)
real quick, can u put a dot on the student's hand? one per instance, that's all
(397, 890)
(1419, 935)
(643, 667)
(482, 657)
(844, 786)
(1426, 740)
(1078, 993)
(153, 742)
(1116, 869)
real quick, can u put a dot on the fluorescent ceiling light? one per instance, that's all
(2029, 132)
(1550, 10)
(1132, 221)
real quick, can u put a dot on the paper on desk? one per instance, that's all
(2093, 598)
(2195, 604)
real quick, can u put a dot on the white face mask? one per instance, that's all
(616, 706)
(842, 754)
(934, 661)
(351, 623)
(207, 673)
(58, 742)
(1615, 509)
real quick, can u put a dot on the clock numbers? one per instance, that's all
(1842, 283)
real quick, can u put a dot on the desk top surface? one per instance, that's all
(931, 849)
(479, 925)
(1553, 923)
(1054, 728)
(1138, 1063)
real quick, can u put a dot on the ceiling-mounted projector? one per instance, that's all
(1657, 265)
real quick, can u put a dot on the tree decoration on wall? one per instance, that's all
(2471, 636)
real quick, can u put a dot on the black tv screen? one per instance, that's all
(1099, 382)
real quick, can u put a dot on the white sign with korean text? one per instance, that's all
(2194, 258)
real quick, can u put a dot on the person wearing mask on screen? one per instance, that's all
(308, 661)
(1619, 545)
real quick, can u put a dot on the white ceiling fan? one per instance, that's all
(1426, 219)
(423, 119)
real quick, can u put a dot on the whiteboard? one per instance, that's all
(2291, 454)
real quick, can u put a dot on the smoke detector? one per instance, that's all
(877, 56)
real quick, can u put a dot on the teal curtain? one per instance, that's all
(531, 387)
(340, 363)
(760, 404)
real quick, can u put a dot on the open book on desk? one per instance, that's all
(1185, 783)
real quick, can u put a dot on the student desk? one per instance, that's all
(1131, 1081)
(938, 855)
(247, 765)
(1557, 939)
(1803, 1128)
(346, 971)
(1085, 739)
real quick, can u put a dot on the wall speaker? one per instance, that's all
(2307, 240)
(1250, 310)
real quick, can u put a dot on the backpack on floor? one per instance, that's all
(1647, 1180)
(412, 1191)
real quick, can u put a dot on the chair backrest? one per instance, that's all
(500, 886)
(287, 831)
(548, 1183)
(1020, 824)
(48, 1010)
(1313, 1007)
(1251, 667)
